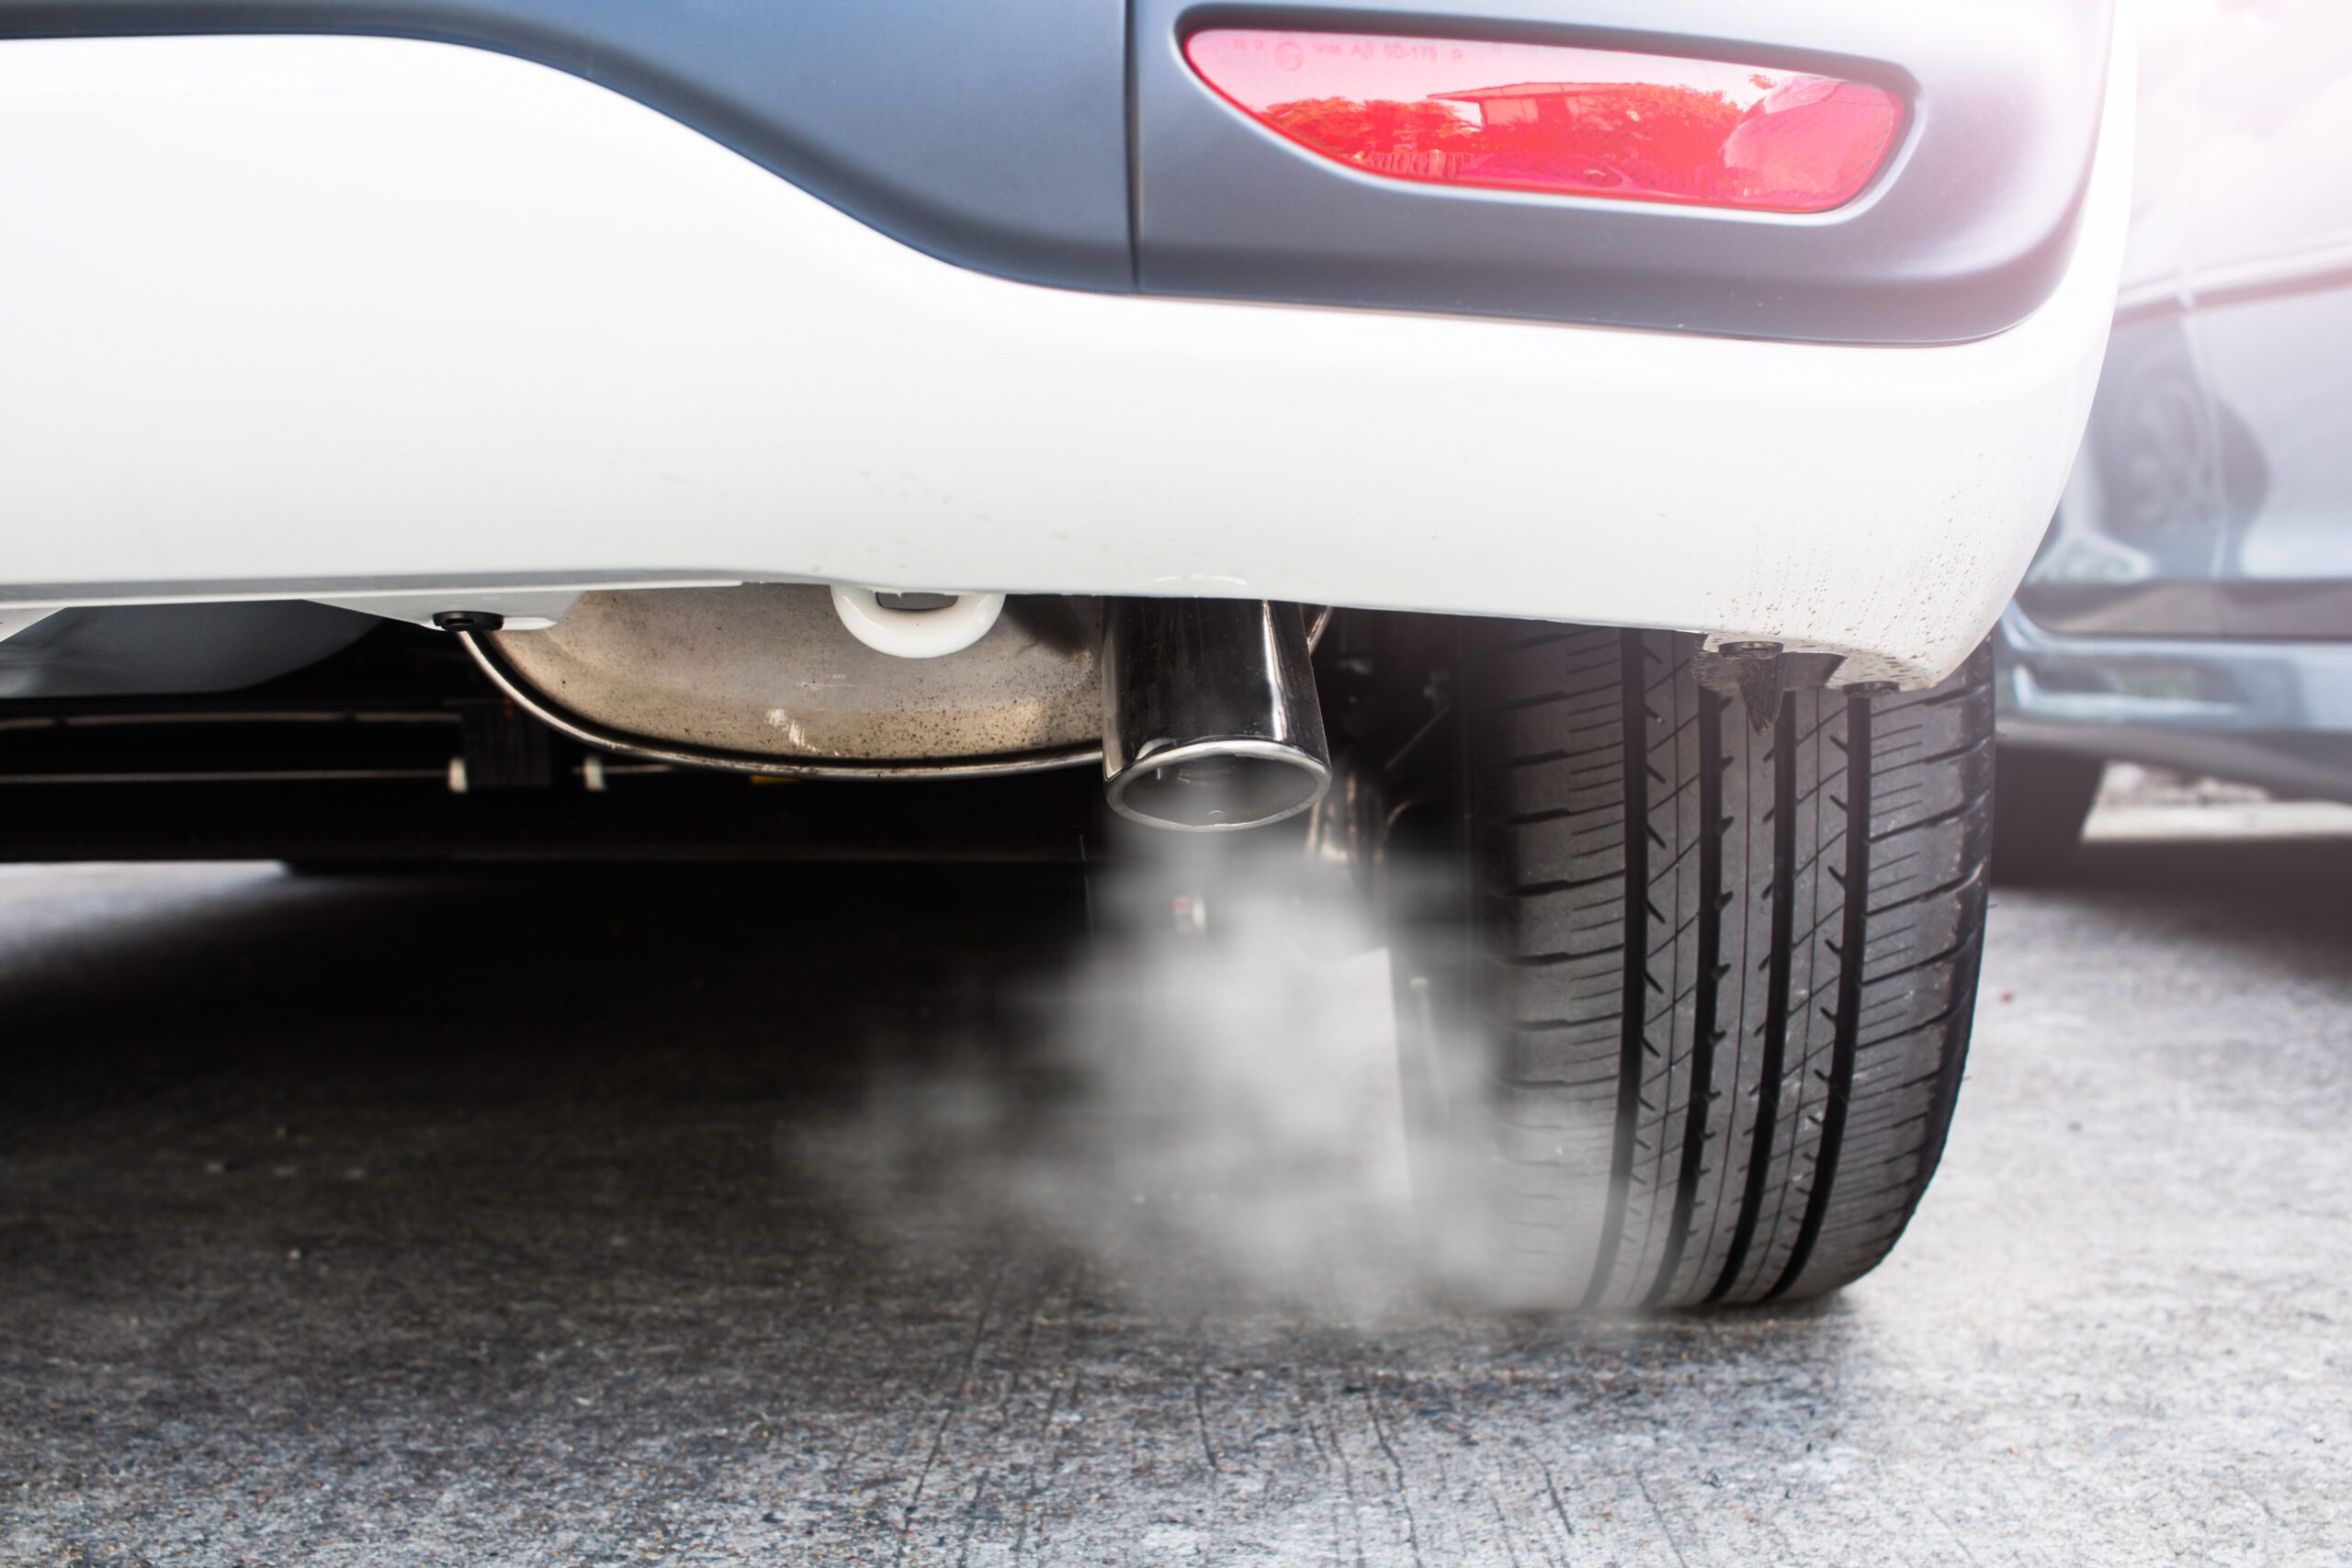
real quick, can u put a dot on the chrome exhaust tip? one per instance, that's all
(1210, 722)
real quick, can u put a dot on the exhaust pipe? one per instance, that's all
(1210, 722)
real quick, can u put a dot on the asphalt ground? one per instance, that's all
(678, 1216)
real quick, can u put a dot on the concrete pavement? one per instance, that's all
(634, 1217)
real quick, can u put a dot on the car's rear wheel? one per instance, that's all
(1701, 1036)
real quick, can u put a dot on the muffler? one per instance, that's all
(1210, 722)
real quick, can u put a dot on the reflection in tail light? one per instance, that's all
(1564, 120)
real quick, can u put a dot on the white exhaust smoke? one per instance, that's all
(1205, 1101)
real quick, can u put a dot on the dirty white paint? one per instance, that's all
(323, 309)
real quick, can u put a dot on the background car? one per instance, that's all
(2191, 607)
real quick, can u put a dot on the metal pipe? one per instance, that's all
(1210, 721)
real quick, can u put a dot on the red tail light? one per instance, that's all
(1567, 122)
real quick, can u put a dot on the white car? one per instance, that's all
(1585, 441)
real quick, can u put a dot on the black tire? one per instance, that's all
(1719, 979)
(2044, 797)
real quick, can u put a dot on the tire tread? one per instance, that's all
(1730, 970)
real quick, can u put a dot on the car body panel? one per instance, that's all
(991, 136)
(481, 321)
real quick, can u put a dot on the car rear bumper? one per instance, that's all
(396, 323)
